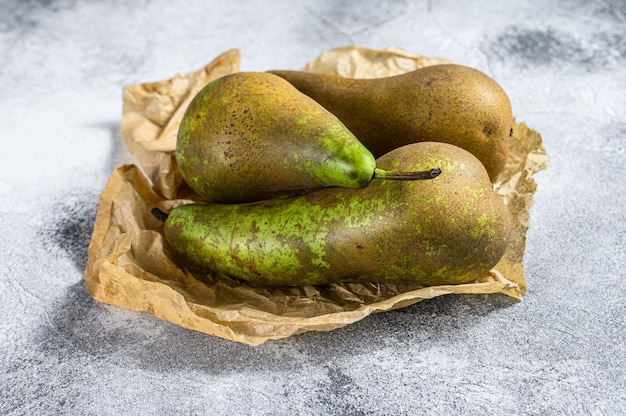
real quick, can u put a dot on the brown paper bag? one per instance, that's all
(130, 264)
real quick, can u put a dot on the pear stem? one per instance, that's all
(159, 215)
(406, 176)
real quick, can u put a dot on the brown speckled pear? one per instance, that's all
(448, 230)
(444, 103)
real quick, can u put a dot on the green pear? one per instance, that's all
(448, 230)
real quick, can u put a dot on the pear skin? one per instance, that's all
(444, 103)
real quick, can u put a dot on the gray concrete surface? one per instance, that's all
(561, 350)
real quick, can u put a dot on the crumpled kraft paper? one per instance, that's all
(130, 264)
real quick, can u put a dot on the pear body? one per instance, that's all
(448, 230)
(445, 103)
(251, 136)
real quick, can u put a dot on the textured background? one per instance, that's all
(560, 351)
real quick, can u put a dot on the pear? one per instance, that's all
(447, 103)
(449, 230)
(251, 136)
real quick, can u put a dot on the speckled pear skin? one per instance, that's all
(448, 230)
(251, 136)
(447, 103)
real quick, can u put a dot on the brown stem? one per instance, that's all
(407, 176)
